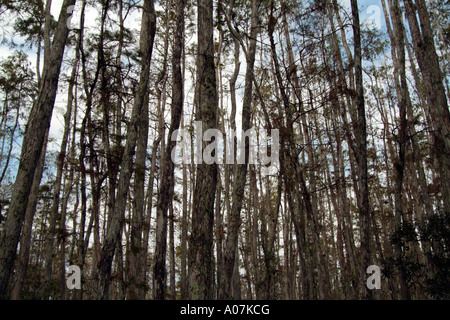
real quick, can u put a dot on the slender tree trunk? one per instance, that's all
(148, 31)
(361, 154)
(39, 122)
(241, 169)
(47, 29)
(184, 235)
(428, 61)
(148, 214)
(403, 100)
(25, 242)
(172, 275)
(136, 256)
(167, 166)
(62, 224)
(201, 240)
(59, 172)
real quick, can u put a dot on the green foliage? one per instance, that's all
(434, 233)
(17, 92)
(374, 43)
(30, 19)
(404, 234)
(15, 73)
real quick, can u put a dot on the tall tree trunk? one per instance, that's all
(184, 236)
(172, 275)
(25, 242)
(361, 154)
(148, 31)
(167, 166)
(58, 179)
(241, 169)
(156, 156)
(38, 124)
(62, 224)
(136, 263)
(403, 101)
(201, 239)
(425, 51)
(137, 256)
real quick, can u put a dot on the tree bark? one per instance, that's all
(39, 122)
(167, 166)
(148, 31)
(231, 245)
(137, 256)
(428, 61)
(361, 154)
(403, 101)
(201, 239)
(25, 242)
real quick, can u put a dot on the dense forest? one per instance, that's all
(224, 149)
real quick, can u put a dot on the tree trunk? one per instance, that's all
(38, 124)
(25, 242)
(201, 239)
(361, 155)
(136, 255)
(167, 166)
(184, 235)
(241, 169)
(403, 100)
(148, 31)
(59, 172)
(438, 110)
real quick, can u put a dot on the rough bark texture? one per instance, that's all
(403, 101)
(201, 238)
(25, 241)
(167, 166)
(241, 169)
(424, 48)
(38, 124)
(112, 240)
(361, 153)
